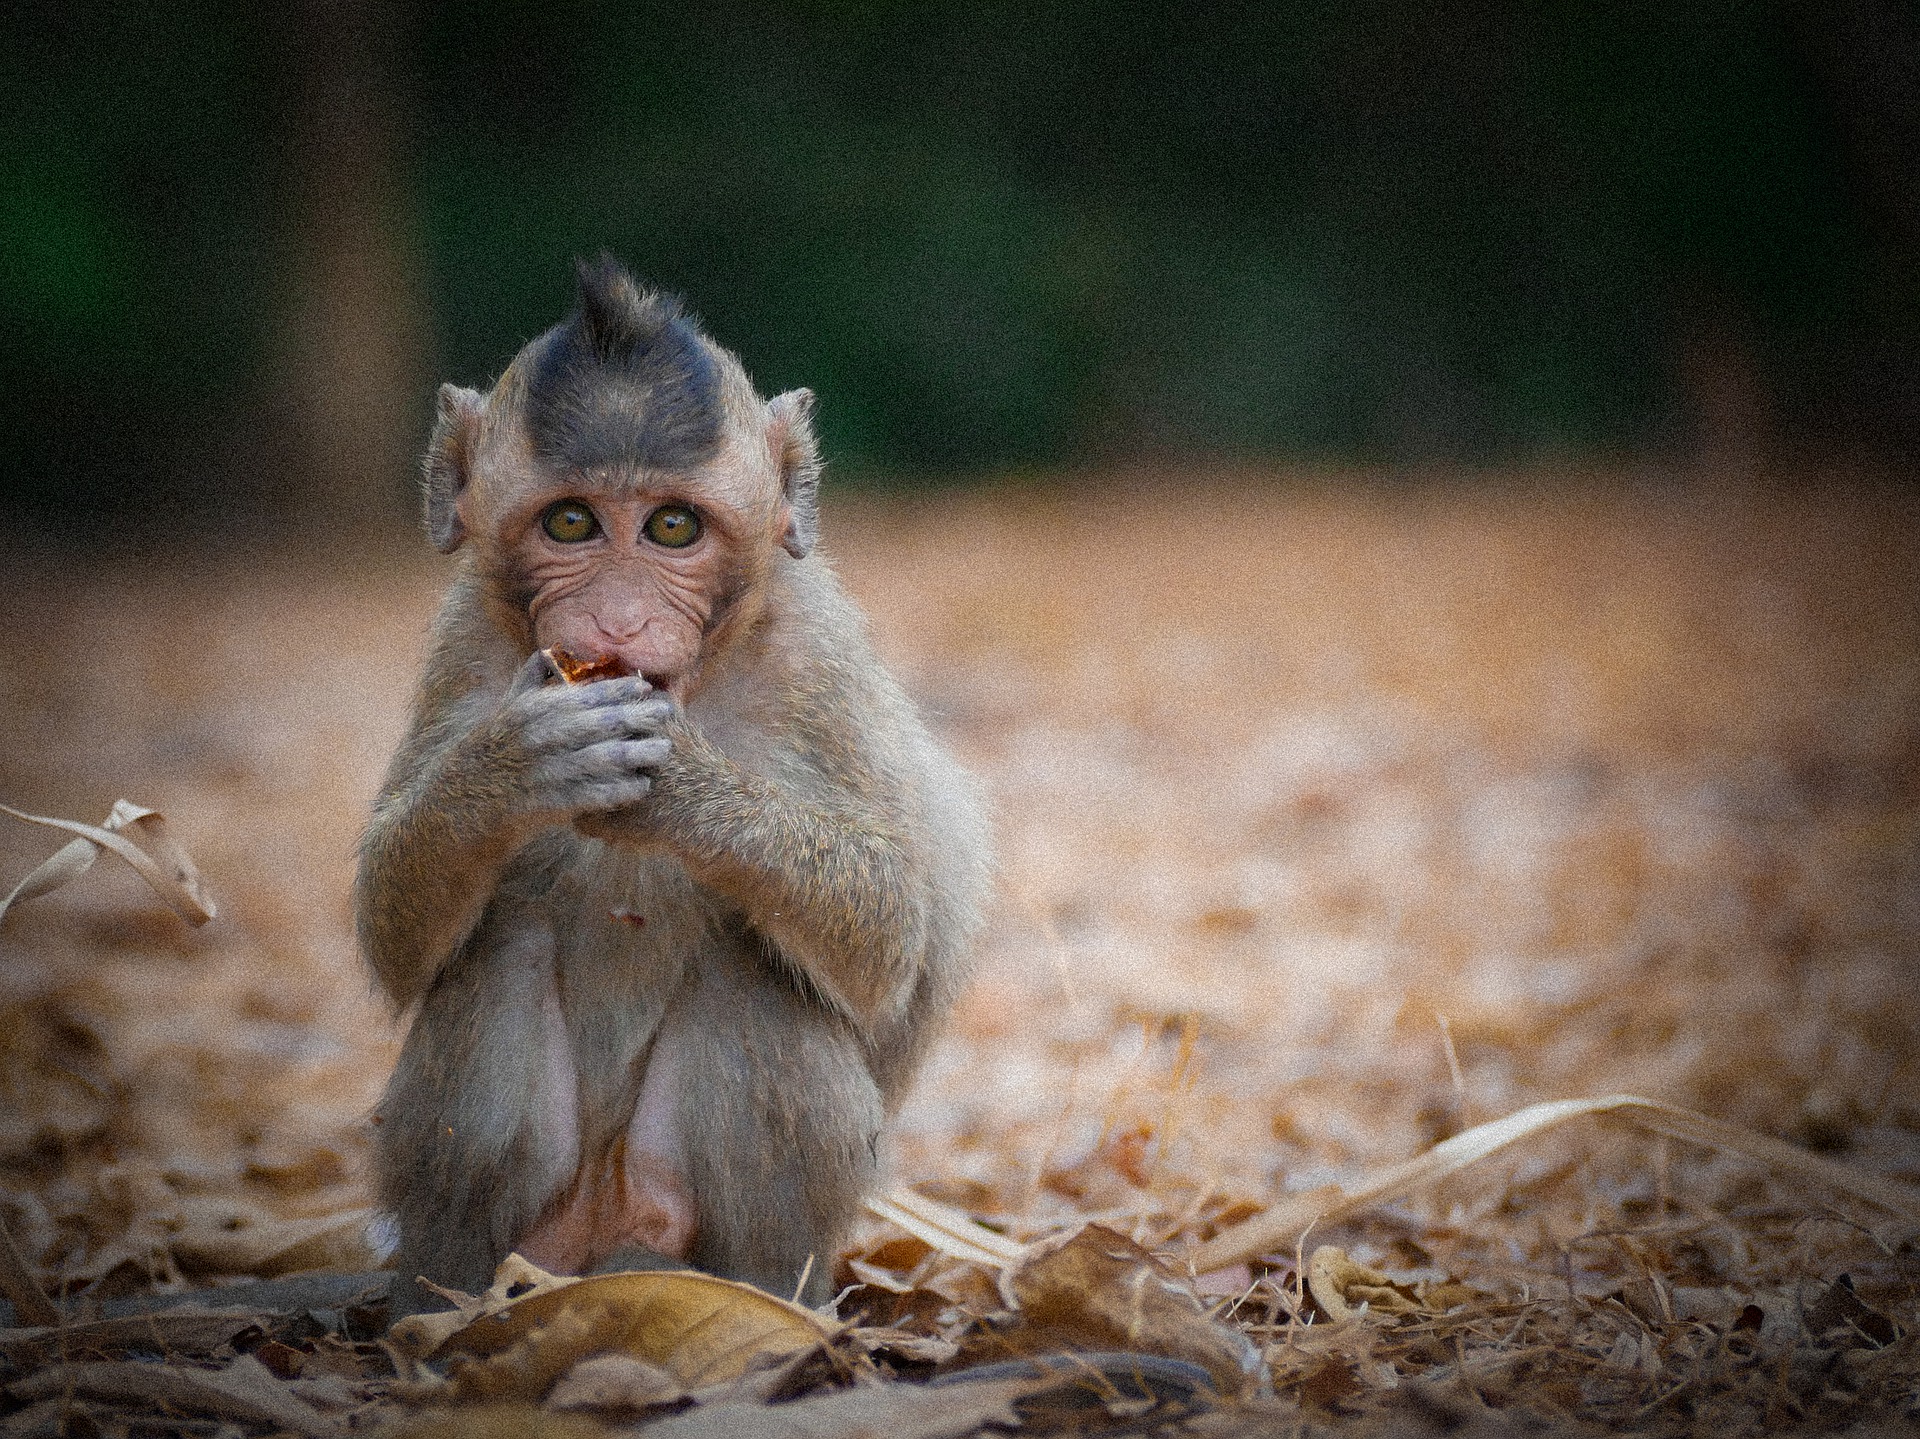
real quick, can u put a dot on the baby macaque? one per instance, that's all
(676, 934)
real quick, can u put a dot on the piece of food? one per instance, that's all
(581, 669)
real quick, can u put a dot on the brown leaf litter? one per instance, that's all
(1364, 827)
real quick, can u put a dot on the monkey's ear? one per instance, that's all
(444, 474)
(790, 436)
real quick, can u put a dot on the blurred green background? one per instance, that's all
(239, 244)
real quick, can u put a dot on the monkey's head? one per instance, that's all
(624, 489)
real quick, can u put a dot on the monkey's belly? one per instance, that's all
(634, 1189)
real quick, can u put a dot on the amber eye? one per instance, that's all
(569, 522)
(674, 526)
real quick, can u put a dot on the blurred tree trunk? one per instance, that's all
(353, 374)
(1865, 54)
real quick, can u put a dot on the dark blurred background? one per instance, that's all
(239, 244)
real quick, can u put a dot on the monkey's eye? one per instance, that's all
(674, 526)
(569, 522)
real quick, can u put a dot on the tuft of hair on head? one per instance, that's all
(618, 315)
(627, 379)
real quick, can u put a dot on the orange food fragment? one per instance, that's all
(580, 670)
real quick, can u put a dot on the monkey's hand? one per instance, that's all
(575, 749)
(466, 801)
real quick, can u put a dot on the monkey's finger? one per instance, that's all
(626, 756)
(640, 717)
(610, 760)
(619, 715)
(571, 729)
(614, 795)
(618, 687)
(573, 784)
(532, 675)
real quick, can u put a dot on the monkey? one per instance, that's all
(673, 942)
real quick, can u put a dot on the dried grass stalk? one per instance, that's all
(946, 1229)
(1283, 1225)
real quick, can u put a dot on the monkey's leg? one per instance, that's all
(782, 1121)
(479, 1128)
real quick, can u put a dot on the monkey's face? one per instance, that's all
(641, 574)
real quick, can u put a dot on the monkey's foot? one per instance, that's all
(630, 1257)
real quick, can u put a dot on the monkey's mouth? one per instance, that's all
(578, 669)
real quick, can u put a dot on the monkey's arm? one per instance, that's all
(835, 869)
(478, 776)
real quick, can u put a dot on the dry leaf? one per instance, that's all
(18, 1286)
(139, 836)
(418, 1335)
(903, 1343)
(896, 1411)
(879, 1278)
(1101, 1291)
(946, 1229)
(330, 1391)
(1346, 1290)
(1840, 1309)
(499, 1421)
(170, 1331)
(700, 1329)
(244, 1391)
(615, 1381)
(220, 1237)
(1090, 1390)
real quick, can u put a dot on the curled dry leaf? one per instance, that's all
(698, 1329)
(18, 1286)
(615, 1382)
(904, 1344)
(1840, 1313)
(949, 1230)
(232, 1239)
(170, 1331)
(419, 1335)
(135, 833)
(499, 1421)
(1101, 1291)
(897, 1411)
(1346, 1289)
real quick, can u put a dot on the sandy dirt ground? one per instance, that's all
(1334, 815)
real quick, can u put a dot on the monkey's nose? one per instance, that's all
(616, 633)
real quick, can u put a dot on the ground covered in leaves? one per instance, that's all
(1336, 816)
